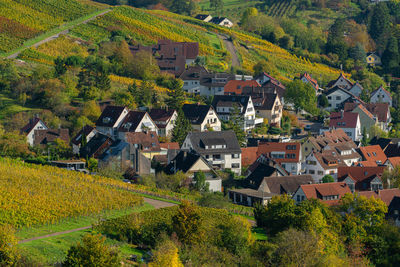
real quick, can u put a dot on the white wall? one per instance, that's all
(31, 135)
(336, 98)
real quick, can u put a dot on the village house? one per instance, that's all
(222, 21)
(373, 154)
(386, 195)
(361, 178)
(48, 136)
(349, 122)
(190, 162)
(288, 155)
(270, 107)
(306, 78)
(373, 59)
(204, 17)
(221, 149)
(332, 138)
(380, 114)
(319, 164)
(390, 146)
(214, 83)
(29, 129)
(191, 79)
(136, 121)
(146, 142)
(394, 211)
(367, 119)
(341, 82)
(164, 120)
(235, 87)
(328, 193)
(381, 95)
(110, 120)
(269, 187)
(83, 136)
(268, 85)
(202, 117)
(172, 57)
(392, 163)
(338, 96)
(96, 146)
(225, 105)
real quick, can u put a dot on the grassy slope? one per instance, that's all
(53, 249)
(232, 8)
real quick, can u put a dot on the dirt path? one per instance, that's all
(157, 204)
(231, 48)
(55, 36)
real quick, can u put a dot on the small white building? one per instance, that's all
(381, 95)
(111, 119)
(202, 117)
(164, 119)
(30, 128)
(136, 121)
(222, 21)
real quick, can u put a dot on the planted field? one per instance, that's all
(24, 19)
(33, 194)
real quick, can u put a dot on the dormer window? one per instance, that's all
(374, 154)
(127, 125)
(106, 119)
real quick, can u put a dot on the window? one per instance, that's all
(320, 172)
(235, 156)
(235, 165)
(329, 97)
(311, 171)
(338, 98)
(298, 198)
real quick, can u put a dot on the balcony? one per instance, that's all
(217, 161)
(254, 121)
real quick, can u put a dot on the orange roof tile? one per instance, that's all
(328, 189)
(236, 86)
(291, 150)
(170, 145)
(373, 153)
(249, 155)
(386, 195)
(395, 161)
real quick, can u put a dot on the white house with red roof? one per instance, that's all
(381, 95)
(349, 122)
(342, 82)
(306, 78)
(30, 128)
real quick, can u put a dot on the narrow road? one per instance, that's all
(157, 204)
(232, 50)
(55, 36)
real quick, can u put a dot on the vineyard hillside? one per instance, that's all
(34, 194)
(148, 26)
(24, 19)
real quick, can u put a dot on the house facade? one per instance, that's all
(87, 132)
(220, 149)
(269, 106)
(381, 95)
(136, 121)
(30, 128)
(110, 120)
(202, 117)
(349, 122)
(164, 120)
(373, 59)
(328, 193)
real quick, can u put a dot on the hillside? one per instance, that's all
(21, 20)
(34, 194)
(148, 26)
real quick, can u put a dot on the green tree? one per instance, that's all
(9, 254)
(358, 53)
(217, 5)
(327, 179)
(181, 128)
(186, 223)
(248, 14)
(391, 57)
(200, 182)
(92, 252)
(144, 66)
(379, 26)
(302, 96)
(336, 43)
(59, 149)
(166, 254)
(59, 66)
(176, 96)
(364, 140)
(236, 124)
(323, 101)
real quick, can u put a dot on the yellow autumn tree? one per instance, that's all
(166, 254)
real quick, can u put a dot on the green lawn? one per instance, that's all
(9, 107)
(53, 250)
(259, 233)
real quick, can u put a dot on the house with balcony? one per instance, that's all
(220, 149)
(269, 106)
(288, 155)
(225, 105)
(110, 120)
(136, 121)
(164, 120)
(202, 117)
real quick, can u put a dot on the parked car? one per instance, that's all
(284, 139)
(307, 127)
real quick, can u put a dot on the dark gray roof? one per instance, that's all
(184, 161)
(217, 20)
(265, 102)
(255, 179)
(131, 121)
(286, 184)
(96, 146)
(86, 130)
(230, 100)
(196, 113)
(215, 79)
(109, 116)
(227, 138)
(193, 73)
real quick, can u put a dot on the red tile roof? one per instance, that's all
(395, 161)
(249, 155)
(386, 195)
(360, 173)
(318, 191)
(366, 164)
(373, 153)
(291, 150)
(343, 120)
(170, 145)
(148, 142)
(236, 86)
(313, 82)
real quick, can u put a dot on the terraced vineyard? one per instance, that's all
(281, 9)
(21, 20)
(33, 194)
